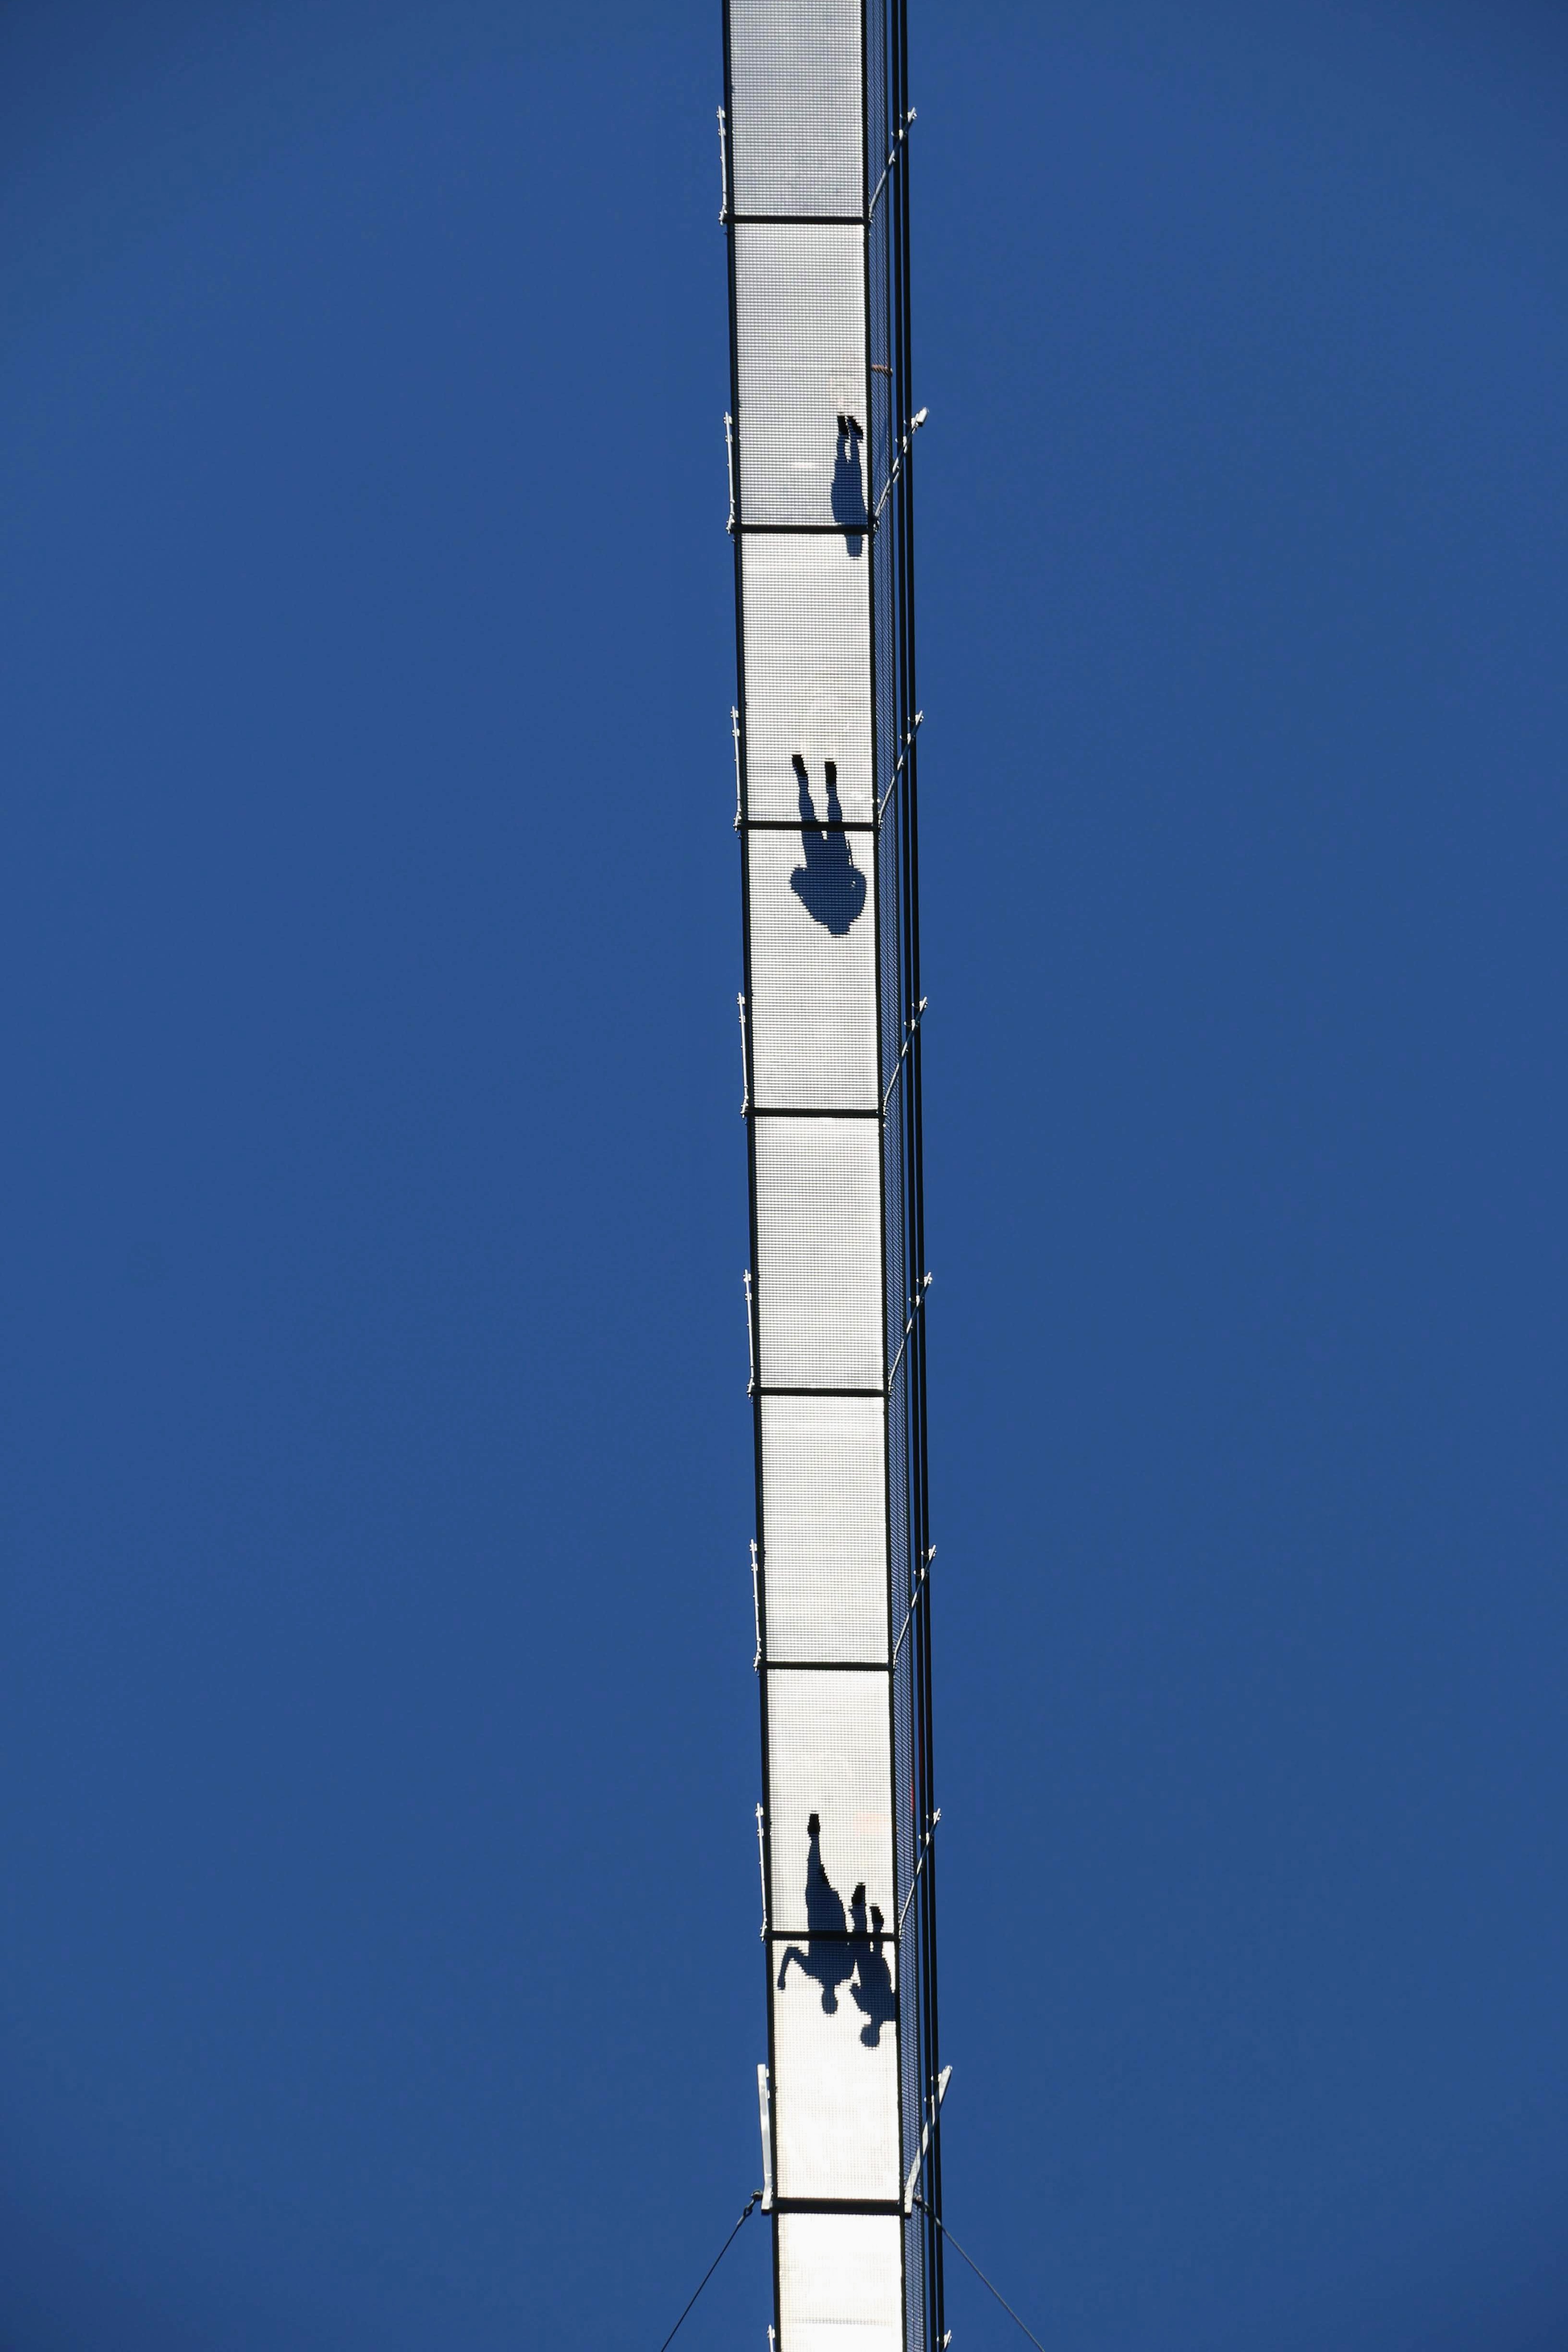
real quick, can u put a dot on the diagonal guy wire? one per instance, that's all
(980, 2274)
(754, 2199)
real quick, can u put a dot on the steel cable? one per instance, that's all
(752, 2203)
(980, 2274)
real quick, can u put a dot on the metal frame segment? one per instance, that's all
(795, 53)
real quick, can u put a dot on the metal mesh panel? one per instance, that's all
(839, 2283)
(794, 105)
(906, 1846)
(885, 722)
(819, 1249)
(825, 1547)
(915, 2228)
(813, 980)
(891, 1043)
(807, 675)
(876, 90)
(899, 1300)
(900, 1590)
(879, 423)
(820, 398)
(800, 307)
(835, 2082)
(894, 996)
(828, 1764)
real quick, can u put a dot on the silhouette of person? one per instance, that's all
(828, 1964)
(872, 1990)
(830, 886)
(848, 494)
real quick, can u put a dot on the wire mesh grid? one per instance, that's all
(817, 120)
(800, 317)
(795, 107)
(807, 688)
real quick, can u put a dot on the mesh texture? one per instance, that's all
(800, 309)
(818, 1251)
(808, 685)
(814, 975)
(795, 107)
(825, 1534)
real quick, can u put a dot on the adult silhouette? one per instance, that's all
(828, 1964)
(872, 1990)
(830, 886)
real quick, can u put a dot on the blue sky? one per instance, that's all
(379, 1951)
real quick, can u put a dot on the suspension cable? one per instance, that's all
(752, 2203)
(979, 2273)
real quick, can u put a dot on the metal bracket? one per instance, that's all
(736, 728)
(892, 781)
(914, 426)
(942, 2081)
(762, 1873)
(898, 767)
(757, 1606)
(914, 1600)
(892, 159)
(926, 1281)
(765, 2120)
(910, 1025)
(925, 1849)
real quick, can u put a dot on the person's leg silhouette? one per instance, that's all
(830, 886)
